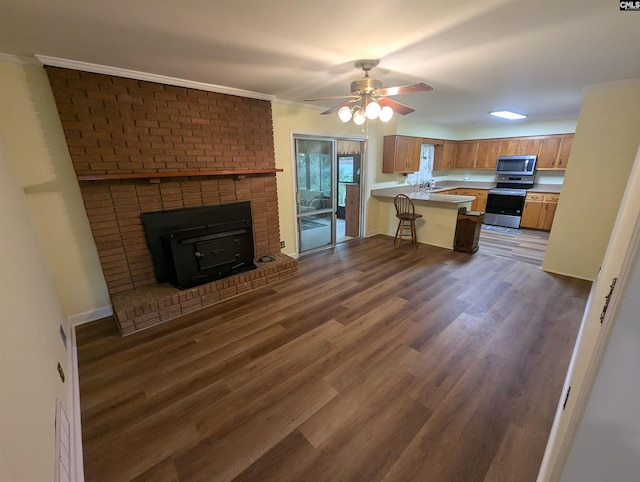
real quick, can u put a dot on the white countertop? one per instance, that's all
(391, 192)
(537, 187)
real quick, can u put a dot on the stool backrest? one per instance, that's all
(403, 204)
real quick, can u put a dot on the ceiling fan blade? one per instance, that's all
(333, 109)
(396, 106)
(346, 96)
(405, 89)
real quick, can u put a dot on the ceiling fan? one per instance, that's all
(369, 100)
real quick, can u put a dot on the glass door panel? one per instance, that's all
(314, 192)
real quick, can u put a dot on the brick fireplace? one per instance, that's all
(140, 147)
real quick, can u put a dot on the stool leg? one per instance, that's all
(414, 235)
(398, 237)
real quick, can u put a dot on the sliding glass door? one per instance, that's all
(315, 194)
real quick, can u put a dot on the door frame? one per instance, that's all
(364, 140)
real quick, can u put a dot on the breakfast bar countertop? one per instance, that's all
(391, 192)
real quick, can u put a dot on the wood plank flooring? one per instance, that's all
(375, 363)
(528, 246)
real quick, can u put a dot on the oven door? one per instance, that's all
(504, 207)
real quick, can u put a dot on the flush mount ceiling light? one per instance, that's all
(507, 114)
(368, 100)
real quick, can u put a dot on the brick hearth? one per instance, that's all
(119, 127)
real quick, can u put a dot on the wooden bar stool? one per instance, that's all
(406, 214)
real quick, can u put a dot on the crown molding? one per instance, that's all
(160, 79)
(299, 104)
(19, 59)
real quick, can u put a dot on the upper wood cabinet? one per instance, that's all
(563, 152)
(509, 146)
(401, 154)
(445, 155)
(554, 152)
(467, 154)
(487, 154)
(449, 154)
(548, 152)
(528, 146)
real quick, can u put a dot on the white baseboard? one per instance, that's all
(77, 462)
(91, 315)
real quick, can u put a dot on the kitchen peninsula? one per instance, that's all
(439, 213)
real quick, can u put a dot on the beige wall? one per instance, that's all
(605, 144)
(30, 346)
(39, 151)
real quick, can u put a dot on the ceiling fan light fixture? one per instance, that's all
(386, 113)
(344, 113)
(368, 99)
(359, 117)
(373, 110)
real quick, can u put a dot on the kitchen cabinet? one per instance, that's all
(554, 152)
(445, 156)
(528, 146)
(539, 210)
(563, 152)
(487, 154)
(480, 201)
(467, 154)
(548, 152)
(509, 146)
(546, 216)
(401, 154)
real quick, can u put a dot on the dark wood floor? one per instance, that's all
(375, 363)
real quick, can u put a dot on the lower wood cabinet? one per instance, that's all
(539, 210)
(480, 201)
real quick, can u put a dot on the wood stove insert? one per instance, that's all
(194, 246)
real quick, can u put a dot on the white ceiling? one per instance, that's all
(530, 56)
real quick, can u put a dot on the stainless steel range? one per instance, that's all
(514, 175)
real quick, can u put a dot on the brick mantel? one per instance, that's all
(196, 147)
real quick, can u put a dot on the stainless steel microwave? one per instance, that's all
(516, 165)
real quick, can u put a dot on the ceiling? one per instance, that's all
(531, 57)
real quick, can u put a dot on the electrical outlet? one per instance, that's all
(282, 244)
